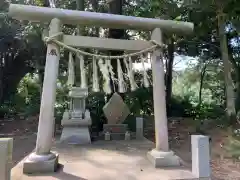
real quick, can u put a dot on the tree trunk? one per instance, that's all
(168, 75)
(40, 64)
(80, 31)
(95, 6)
(1, 78)
(115, 7)
(40, 70)
(230, 97)
(80, 7)
(236, 71)
(46, 3)
(237, 102)
(202, 75)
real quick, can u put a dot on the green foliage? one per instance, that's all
(95, 103)
(181, 107)
(61, 103)
(140, 103)
(131, 122)
(25, 100)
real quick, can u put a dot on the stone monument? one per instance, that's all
(116, 111)
(77, 120)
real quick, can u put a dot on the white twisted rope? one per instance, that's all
(52, 39)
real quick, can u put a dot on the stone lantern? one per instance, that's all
(77, 120)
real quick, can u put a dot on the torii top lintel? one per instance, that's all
(44, 14)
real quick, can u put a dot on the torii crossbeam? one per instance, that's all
(44, 14)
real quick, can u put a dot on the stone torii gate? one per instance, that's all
(43, 160)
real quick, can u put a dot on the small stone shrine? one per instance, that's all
(77, 120)
(116, 111)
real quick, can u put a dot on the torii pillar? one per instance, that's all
(161, 156)
(43, 160)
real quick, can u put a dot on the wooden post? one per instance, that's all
(43, 160)
(159, 97)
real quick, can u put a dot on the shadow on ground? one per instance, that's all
(60, 175)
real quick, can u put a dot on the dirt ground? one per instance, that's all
(24, 136)
(223, 167)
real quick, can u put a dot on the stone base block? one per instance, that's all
(75, 135)
(76, 122)
(117, 136)
(163, 159)
(115, 128)
(42, 164)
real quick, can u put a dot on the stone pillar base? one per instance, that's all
(75, 135)
(163, 159)
(40, 163)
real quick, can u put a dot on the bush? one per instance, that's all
(180, 107)
(131, 122)
(95, 103)
(140, 103)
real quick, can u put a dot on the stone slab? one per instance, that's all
(115, 110)
(75, 135)
(139, 127)
(117, 136)
(48, 166)
(106, 160)
(163, 159)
